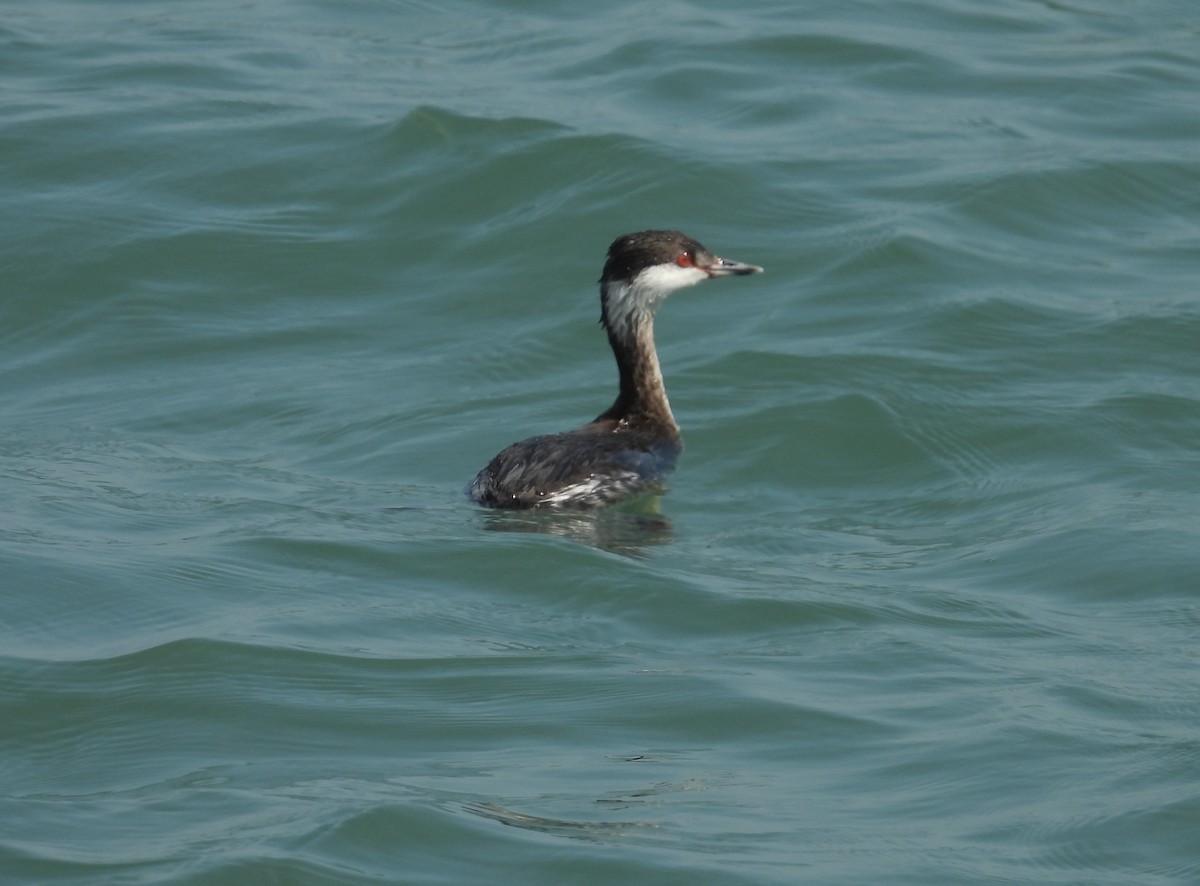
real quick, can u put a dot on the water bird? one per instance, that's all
(631, 446)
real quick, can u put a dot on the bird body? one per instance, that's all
(633, 445)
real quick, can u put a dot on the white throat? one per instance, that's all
(630, 302)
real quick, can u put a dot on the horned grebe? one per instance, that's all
(631, 446)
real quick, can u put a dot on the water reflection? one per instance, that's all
(579, 830)
(628, 528)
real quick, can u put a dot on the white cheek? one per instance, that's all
(642, 298)
(661, 280)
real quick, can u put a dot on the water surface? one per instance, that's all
(921, 604)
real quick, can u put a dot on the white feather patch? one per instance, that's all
(595, 489)
(641, 297)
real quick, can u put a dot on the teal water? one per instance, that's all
(922, 603)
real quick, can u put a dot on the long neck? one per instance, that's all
(642, 400)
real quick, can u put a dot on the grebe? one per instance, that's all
(632, 445)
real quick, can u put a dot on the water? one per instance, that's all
(921, 604)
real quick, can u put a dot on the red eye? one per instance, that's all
(685, 260)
